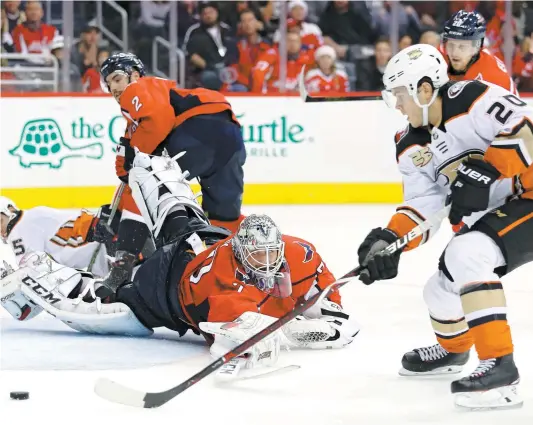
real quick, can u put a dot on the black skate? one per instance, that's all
(433, 360)
(121, 271)
(491, 386)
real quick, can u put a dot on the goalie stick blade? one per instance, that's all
(320, 99)
(117, 393)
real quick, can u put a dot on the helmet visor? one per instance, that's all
(396, 97)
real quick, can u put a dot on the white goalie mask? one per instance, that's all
(405, 71)
(6, 208)
(259, 247)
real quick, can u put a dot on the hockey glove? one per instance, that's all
(124, 159)
(470, 191)
(378, 265)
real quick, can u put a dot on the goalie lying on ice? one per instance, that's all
(200, 278)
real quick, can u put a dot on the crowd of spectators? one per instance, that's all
(235, 45)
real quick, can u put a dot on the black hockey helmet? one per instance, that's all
(124, 62)
(465, 25)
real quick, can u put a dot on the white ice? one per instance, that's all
(355, 386)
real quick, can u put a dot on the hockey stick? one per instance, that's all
(118, 393)
(314, 99)
(114, 208)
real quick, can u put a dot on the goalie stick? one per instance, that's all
(315, 99)
(114, 208)
(118, 393)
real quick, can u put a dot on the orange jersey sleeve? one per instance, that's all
(491, 69)
(146, 106)
(216, 288)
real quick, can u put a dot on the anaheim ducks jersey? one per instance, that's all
(61, 234)
(479, 120)
(216, 288)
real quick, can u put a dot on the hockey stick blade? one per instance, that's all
(123, 395)
(319, 99)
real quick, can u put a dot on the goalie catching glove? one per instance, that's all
(325, 325)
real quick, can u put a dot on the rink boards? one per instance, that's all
(60, 150)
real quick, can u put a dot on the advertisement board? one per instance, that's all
(60, 151)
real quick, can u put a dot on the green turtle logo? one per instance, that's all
(42, 143)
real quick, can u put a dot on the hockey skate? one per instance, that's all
(121, 271)
(493, 385)
(433, 360)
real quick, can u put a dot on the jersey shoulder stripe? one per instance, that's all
(459, 97)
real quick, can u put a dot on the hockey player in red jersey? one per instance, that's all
(201, 278)
(463, 39)
(160, 116)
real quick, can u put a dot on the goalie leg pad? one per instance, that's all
(159, 188)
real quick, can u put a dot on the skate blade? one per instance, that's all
(502, 398)
(445, 370)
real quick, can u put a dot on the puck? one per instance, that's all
(19, 395)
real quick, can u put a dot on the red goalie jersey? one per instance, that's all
(216, 288)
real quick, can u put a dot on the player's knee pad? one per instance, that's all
(472, 257)
(160, 188)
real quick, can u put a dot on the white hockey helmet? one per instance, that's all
(408, 67)
(5, 203)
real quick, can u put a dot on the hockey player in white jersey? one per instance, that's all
(70, 238)
(468, 144)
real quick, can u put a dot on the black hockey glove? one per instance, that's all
(378, 266)
(124, 159)
(470, 190)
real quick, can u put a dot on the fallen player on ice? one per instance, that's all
(201, 278)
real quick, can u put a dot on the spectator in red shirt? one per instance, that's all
(251, 46)
(325, 77)
(265, 75)
(34, 36)
(91, 78)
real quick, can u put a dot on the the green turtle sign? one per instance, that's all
(42, 143)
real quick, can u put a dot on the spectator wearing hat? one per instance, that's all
(85, 52)
(211, 48)
(325, 77)
(33, 35)
(310, 34)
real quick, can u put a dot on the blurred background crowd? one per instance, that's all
(242, 46)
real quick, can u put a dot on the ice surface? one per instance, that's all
(355, 386)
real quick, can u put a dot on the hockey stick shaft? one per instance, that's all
(114, 207)
(320, 99)
(120, 394)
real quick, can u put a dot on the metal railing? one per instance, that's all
(121, 42)
(34, 64)
(155, 60)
